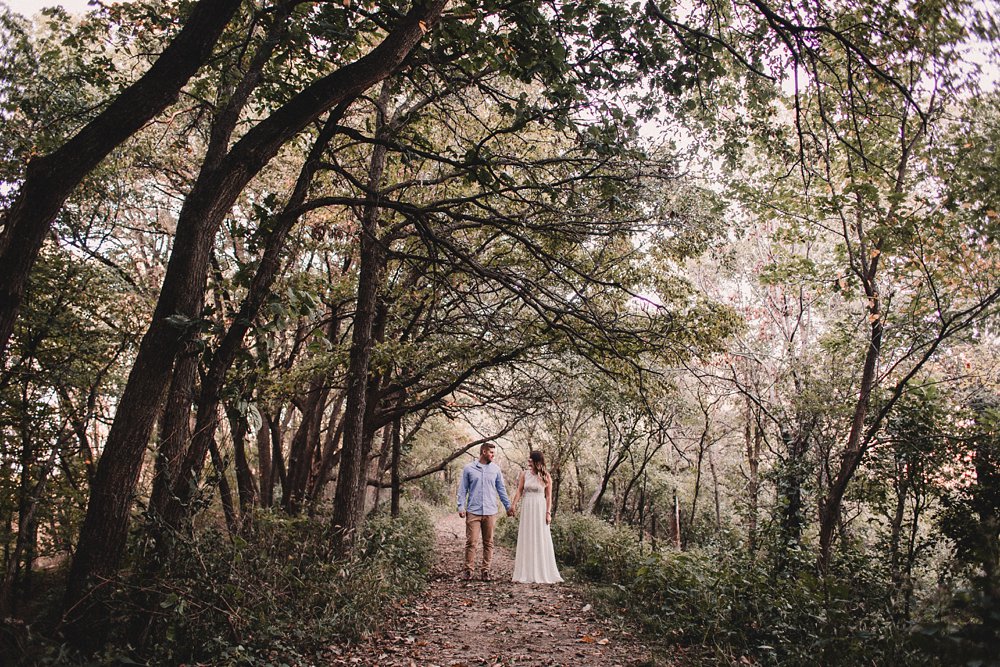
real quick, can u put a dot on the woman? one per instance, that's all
(535, 559)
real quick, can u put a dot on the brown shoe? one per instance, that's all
(487, 576)
(467, 575)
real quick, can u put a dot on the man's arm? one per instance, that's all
(463, 492)
(502, 492)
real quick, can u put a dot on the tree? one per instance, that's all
(69, 347)
(49, 179)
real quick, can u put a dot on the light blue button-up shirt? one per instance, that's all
(476, 490)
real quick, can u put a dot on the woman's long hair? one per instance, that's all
(538, 464)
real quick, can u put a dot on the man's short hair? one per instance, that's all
(487, 445)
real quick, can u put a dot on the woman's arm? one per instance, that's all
(548, 498)
(519, 492)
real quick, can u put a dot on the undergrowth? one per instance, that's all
(273, 596)
(721, 604)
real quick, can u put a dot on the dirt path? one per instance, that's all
(458, 623)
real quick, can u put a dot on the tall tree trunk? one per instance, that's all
(986, 503)
(897, 565)
(790, 485)
(277, 450)
(641, 509)
(397, 448)
(331, 453)
(754, 439)
(865, 258)
(697, 479)
(225, 491)
(300, 455)
(246, 485)
(383, 462)
(715, 489)
(27, 527)
(49, 179)
(264, 460)
(389, 455)
(352, 474)
(901, 487)
(677, 522)
(919, 504)
(556, 473)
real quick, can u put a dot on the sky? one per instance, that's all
(31, 7)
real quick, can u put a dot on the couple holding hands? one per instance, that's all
(481, 483)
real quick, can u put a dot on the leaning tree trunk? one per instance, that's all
(232, 341)
(225, 491)
(175, 434)
(855, 447)
(330, 455)
(610, 466)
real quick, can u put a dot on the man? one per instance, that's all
(482, 482)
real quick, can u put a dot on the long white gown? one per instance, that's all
(535, 559)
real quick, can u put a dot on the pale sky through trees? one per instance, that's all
(32, 7)
(991, 74)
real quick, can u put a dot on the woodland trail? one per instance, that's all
(457, 623)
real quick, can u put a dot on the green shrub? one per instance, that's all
(281, 593)
(596, 549)
(727, 600)
(275, 596)
(727, 604)
(506, 531)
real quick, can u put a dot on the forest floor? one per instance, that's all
(458, 623)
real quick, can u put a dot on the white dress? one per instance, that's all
(535, 559)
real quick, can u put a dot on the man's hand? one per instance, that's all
(461, 514)
(510, 511)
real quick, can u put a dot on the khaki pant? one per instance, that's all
(474, 525)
